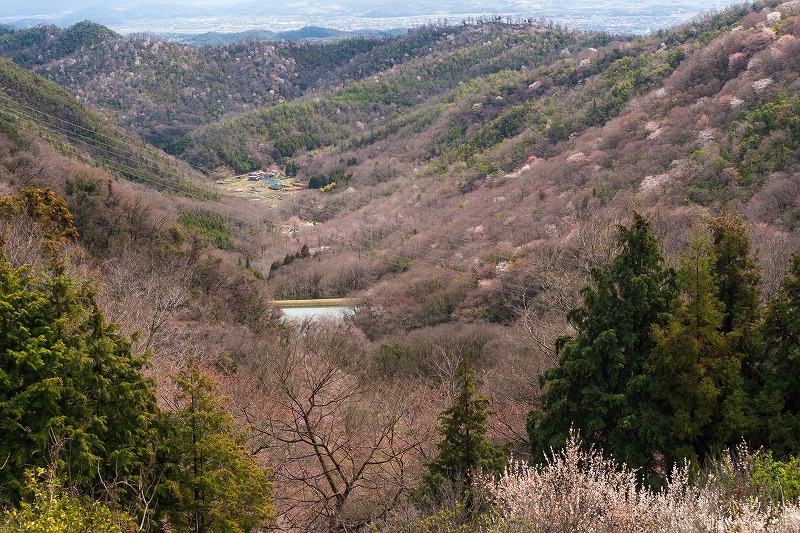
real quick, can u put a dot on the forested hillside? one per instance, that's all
(163, 90)
(574, 249)
(29, 102)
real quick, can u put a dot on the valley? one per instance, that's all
(552, 229)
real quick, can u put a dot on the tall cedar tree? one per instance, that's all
(212, 483)
(464, 449)
(735, 271)
(692, 374)
(596, 386)
(738, 282)
(777, 406)
(67, 376)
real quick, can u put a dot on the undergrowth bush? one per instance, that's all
(581, 490)
(50, 508)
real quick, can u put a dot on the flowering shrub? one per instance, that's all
(580, 490)
(575, 490)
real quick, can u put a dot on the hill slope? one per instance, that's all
(513, 178)
(463, 153)
(29, 102)
(163, 90)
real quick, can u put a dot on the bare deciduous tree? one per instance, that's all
(344, 450)
(158, 287)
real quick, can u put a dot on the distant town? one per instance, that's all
(178, 22)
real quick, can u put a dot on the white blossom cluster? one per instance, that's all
(580, 490)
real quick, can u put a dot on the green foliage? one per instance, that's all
(317, 182)
(771, 138)
(290, 169)
(178, 146)
(683, 137)
(284, 128)
(25, 46)
(46, 210)
(49, 508)
(210, 226)
(401, 264)
(506, 126)
(336, 179)
(12, 133)
(464, 451)
(67, 376)
(287, 146)
(738, 280)
(779, 479)
(595, 388)
(387, 92)
(618, 83)
(94, 202)
(460, 519)
(744, 475)
(736, 274)
(211, 484)
(692, 373)
(776, 421)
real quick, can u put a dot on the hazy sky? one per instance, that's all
(197, 16)
(453, 6)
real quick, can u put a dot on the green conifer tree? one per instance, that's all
(776, 424)
(738, 281)
(735, 271)
(67, 376)
(212, 483)
(464, 451)
(596, 387)
(692, 372)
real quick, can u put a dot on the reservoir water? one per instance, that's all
(301, 313)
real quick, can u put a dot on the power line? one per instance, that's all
(127, 170)
(131, 171)
(105, 147)
(449, 238)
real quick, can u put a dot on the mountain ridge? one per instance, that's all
(628, 17)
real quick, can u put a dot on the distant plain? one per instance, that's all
(177, 20)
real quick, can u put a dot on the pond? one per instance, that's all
(298, 314)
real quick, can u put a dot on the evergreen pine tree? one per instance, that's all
(596, 386)
(464, 450)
